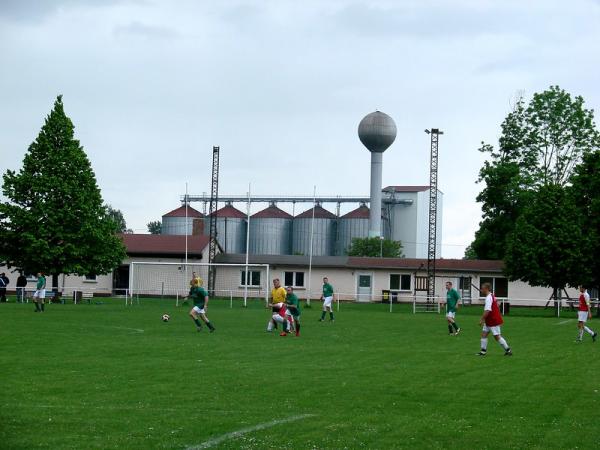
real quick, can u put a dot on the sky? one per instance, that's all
(281, 86)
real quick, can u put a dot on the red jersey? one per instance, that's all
(494, 318)
(280, 308)
(583, 301)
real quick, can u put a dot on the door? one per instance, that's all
(121, 279)
(364, 287)
(464, 289)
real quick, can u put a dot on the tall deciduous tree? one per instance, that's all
(540, 145)
(54, 220)
(374, 246)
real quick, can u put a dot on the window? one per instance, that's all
(253, 276)
(464, 283)
(90, 278)
(499, 285)
(400, 282)
(294, 279)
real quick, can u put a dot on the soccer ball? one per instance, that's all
(165, 317)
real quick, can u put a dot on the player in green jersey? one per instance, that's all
(452, 304)
(200, 299)
(40, 293)
(293, 309)
(327, 298)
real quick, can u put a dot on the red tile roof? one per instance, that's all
(230, 211)
(162, 244)
(320, 213)
(406, 188)
(272, 212)
(468, 265)
(362, 212)
(180, 212)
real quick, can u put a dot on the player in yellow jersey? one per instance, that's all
(278, 306)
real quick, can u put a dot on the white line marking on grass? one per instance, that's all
(565, 321)
(235, 434)
(137, 330)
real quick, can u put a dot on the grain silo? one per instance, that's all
(176, 223)
(323, 232)
(270, 232)
(355, 224)
(231, 229)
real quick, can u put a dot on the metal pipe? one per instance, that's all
(295, 199)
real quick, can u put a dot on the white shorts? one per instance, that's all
(327, 302)
(494, 330)
(39, 293)
(450, 315)
(278, 318)
(197, 310)
(582, 316)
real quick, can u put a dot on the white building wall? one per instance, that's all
(404, 224)
(410, 224)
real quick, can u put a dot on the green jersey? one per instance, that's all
(41, 282)
(327, 290)
(198, 295)
(452, 299)
(292, 299)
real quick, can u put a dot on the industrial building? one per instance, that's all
(274, 231)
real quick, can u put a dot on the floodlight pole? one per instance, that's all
(214, 200)
(433, 196)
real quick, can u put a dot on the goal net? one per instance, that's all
(173, 280)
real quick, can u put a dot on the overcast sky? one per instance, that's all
(281, 86)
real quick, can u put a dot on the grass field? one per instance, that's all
(109, 376)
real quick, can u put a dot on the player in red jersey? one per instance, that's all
(583, 314)
(491, 320)
(279, 309)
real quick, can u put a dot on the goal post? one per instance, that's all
(424, 303)
(172, 280)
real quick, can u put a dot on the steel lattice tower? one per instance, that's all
(214, 200)
(433, 195)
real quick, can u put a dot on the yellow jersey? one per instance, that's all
(278, 294)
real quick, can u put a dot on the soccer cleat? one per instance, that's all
(321, 320)
(332, 321)
(594, 336)
(283, 333)
(508, 352)
(457, 331)
(481, 353)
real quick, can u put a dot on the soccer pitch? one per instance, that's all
(109, 376)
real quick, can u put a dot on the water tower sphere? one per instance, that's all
(377, 131)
